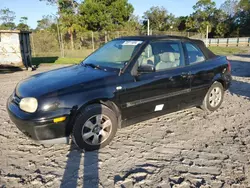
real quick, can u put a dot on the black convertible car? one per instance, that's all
(128, 80)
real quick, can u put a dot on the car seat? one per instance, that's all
(167, 60)
(147, 56)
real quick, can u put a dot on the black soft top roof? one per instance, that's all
(199, 43)
(153, 37)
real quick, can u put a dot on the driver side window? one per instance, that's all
(147, 56)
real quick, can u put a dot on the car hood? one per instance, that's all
(51, 81)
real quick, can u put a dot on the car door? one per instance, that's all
(200, 72)
(160, 91)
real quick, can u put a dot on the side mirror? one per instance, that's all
(146, 68)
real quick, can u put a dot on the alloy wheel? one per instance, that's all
(97, 129)
(215, 97)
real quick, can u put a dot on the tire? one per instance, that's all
(94, 127)
(213, 101)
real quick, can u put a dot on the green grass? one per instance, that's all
(229, 50)
(55, 60)
(71, 57)
(68, 60)
(67, 53)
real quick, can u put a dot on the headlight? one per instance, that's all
(28, 104)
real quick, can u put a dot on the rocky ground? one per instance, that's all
(190, 148)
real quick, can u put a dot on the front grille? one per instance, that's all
(16, 99)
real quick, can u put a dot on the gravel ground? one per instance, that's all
(190, 148)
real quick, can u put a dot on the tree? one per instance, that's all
(244, 5)
(181, 23)
(6, 15)
(133, 24)
(238, 17)
(120, 11)
(6, 18)
(206, 14)
(8, 26)
(69, 26)
(61, 3)
(230, 7)
(222, 29)
(206, 7)
(242, 18)
(67, 10)
(105, 14)
(23, 26)
(95, 16)
(159, 18)
(23, 20)
(69, 18)
(46, 23)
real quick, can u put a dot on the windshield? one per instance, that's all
(114, 54)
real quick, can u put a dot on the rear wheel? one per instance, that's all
(214, 97)
(94, 127)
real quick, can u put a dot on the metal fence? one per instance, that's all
(193, 35)
(46, 43)
(227, 42)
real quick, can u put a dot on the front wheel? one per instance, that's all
(94, 127)
(214, 97)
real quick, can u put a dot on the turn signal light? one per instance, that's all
(60, 119)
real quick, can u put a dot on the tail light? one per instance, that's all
(229, 68)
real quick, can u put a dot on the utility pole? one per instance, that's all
(93, 42)
(59, 37)
(207, 36)
(62, 45)
(171, 27)
(148, 27)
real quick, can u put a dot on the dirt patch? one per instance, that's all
(189, 148)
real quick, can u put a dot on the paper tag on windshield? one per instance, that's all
(131, 43)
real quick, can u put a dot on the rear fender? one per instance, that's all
(219, 78)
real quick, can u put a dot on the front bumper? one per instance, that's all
(39, 129)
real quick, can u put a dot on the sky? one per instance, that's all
(35, 9)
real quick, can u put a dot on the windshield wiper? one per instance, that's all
(92, 65)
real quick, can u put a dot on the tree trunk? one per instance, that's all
(72, 40)
(58, 8)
